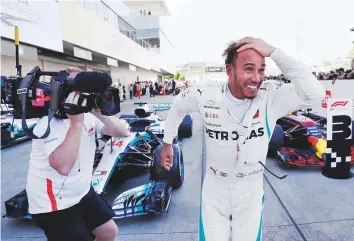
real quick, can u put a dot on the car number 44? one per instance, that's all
(118, 143)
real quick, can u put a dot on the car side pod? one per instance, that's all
(337, 159)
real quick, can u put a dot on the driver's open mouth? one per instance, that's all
(252, 87)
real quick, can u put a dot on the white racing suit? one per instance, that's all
(232, 193)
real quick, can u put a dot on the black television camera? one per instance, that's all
(32, 98)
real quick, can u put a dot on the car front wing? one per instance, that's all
(151, 198)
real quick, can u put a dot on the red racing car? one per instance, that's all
(299, 140)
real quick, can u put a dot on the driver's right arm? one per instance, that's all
(184, 103)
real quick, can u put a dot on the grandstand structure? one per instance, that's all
(201, 71)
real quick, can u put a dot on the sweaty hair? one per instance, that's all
(230, 53)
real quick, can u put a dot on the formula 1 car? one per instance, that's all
(299, 140)
(145, 112)
(124, 157)
(138, 152)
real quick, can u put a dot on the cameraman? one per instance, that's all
(60, 196)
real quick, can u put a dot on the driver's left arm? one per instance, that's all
(303, 91)
(110, 125)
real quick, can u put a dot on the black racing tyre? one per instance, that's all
(175, 176)
(185, 129)
(277, 140)
(127, 116)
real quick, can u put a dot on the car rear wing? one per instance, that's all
(140, 103)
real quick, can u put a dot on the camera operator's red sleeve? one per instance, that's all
(56, 136)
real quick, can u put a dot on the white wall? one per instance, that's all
(88, 31)
(8, 65)
(143, 22)
(118, 6)
(42, 27)
(50, 66)
(127, 76)
(168, 55)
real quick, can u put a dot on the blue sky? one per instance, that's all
(200, 29)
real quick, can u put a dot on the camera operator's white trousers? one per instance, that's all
(231, 207)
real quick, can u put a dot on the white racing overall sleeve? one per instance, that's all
(184, 103)
(303, 91)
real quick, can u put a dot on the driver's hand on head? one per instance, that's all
(166, 157)
(257, 44)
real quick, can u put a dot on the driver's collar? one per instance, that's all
(251, 110)
(227, 88)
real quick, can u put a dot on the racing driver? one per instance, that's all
(239, 118)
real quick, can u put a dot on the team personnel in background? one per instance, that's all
(138, 89)
(60, 196)
(152, 94)
(120, 88)
(134, 89)
(147, 89)
(173, 87)
(240, 115)
(124, 92)
(131, 91)
(157, 87)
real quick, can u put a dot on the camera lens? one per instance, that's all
(109, 102)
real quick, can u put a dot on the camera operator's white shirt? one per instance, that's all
(47, 190)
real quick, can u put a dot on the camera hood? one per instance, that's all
(109, 101)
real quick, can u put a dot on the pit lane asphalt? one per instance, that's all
(303, 206)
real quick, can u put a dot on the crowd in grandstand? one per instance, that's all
(337, 74)
(280, 77)
(333, 75)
